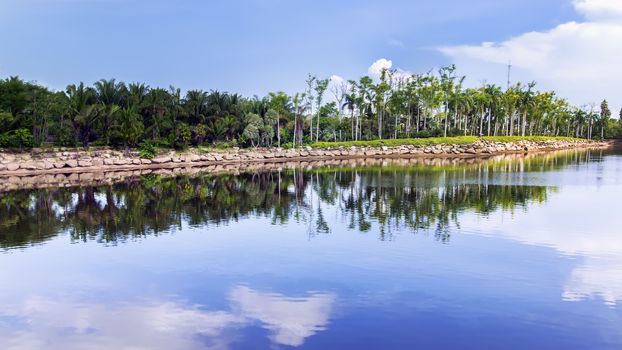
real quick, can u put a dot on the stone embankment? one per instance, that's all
(56, 161)
(109, 177)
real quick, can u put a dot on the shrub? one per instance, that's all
(20, 138)
(147, 150)
(182, 136)
(424, 134)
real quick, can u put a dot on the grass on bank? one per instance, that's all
(456, 140)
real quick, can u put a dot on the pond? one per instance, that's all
(514, 254)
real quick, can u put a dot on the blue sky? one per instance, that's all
(255, 46)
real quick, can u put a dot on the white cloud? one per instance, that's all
(599, 9)
(44, 323)
(375, 70)
(580, 60)
(52, 324)
(377, 67)
(291, 320)
(594, 242)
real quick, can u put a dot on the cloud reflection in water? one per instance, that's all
(43, 323)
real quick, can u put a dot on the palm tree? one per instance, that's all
(136, 94)
(320, 87)
(157, 101)
(299, 110)
(526, 102)
(109, 94)
(195, 104)
(130, 126)
(350, 104)
(83, 110)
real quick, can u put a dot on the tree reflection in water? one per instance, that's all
(378, 199)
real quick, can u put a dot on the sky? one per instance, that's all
(256, 46)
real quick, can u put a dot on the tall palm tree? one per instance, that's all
(84, 111)
(195, 104)
(109, 94)
(350, 104)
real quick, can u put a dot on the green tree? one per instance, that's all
(130, 126)
(605, 115)
(253, 129)
(109, 95)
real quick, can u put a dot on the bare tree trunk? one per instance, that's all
(295, 122)
(489, 113)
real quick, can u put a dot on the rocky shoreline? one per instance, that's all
(106, 178)
(65, 161)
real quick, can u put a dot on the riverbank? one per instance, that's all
(63, 161)
(110, 177)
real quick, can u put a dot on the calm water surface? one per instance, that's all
(525, 254)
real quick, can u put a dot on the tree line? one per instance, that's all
(394, 105)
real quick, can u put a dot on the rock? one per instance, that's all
(2, 167)
(121, 162)
(108, 161)
(59, 165)
(28, 166)
(145, 161)
(14, 180)
(85, 163)
(48, 165)
(161, 160)
(136, 161)
(72, 163)
(385, 148)
(97, 162)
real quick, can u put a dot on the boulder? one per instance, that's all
(72, 163)
(28, 166)
(161, 160)
(84, 163)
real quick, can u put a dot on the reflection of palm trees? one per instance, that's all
(388, 199)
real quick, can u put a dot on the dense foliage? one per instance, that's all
(396, 105)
